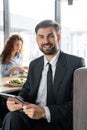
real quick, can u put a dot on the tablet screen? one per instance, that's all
(16, 98)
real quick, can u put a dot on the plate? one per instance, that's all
(24, 75)
(18, 82)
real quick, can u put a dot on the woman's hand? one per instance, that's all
(17, 68)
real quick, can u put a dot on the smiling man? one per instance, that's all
(48, 90)
(47, 39)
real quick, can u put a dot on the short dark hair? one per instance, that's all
(48, 23)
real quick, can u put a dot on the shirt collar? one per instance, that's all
(53, 61)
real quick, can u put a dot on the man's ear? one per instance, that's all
(59, 37)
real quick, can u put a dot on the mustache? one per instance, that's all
(45, 44)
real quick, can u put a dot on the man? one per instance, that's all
(46, 108)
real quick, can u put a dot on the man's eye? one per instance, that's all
(40, 37)
(51, 36)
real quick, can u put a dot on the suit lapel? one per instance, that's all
(60, 72)
(38, 72)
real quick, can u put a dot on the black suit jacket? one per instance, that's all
(61, 110)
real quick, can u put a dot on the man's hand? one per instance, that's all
(12, 105)
(34, 111)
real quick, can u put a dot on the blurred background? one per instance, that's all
(21, 16)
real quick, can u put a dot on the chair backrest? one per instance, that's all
(80, 99)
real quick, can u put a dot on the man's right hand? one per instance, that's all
(12, 105)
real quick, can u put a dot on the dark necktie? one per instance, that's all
(49, 85)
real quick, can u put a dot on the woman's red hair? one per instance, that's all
(8, 48)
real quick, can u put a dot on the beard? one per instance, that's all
(52, 51)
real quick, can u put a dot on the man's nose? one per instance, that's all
(46, 39)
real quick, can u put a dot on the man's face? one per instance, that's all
(47, 40)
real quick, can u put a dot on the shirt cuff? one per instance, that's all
(47, 111)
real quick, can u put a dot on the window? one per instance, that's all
(1, 26)
(24, 17)
(74, 28)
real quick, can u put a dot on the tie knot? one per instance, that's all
(49, 65)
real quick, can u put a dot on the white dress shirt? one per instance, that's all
(16, 61)
(42, 92)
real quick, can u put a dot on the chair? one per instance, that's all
(80, 99)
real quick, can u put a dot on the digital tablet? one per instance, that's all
(16, 98)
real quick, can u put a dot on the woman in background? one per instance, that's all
(11, 56)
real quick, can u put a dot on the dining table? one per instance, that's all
(5, 87)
